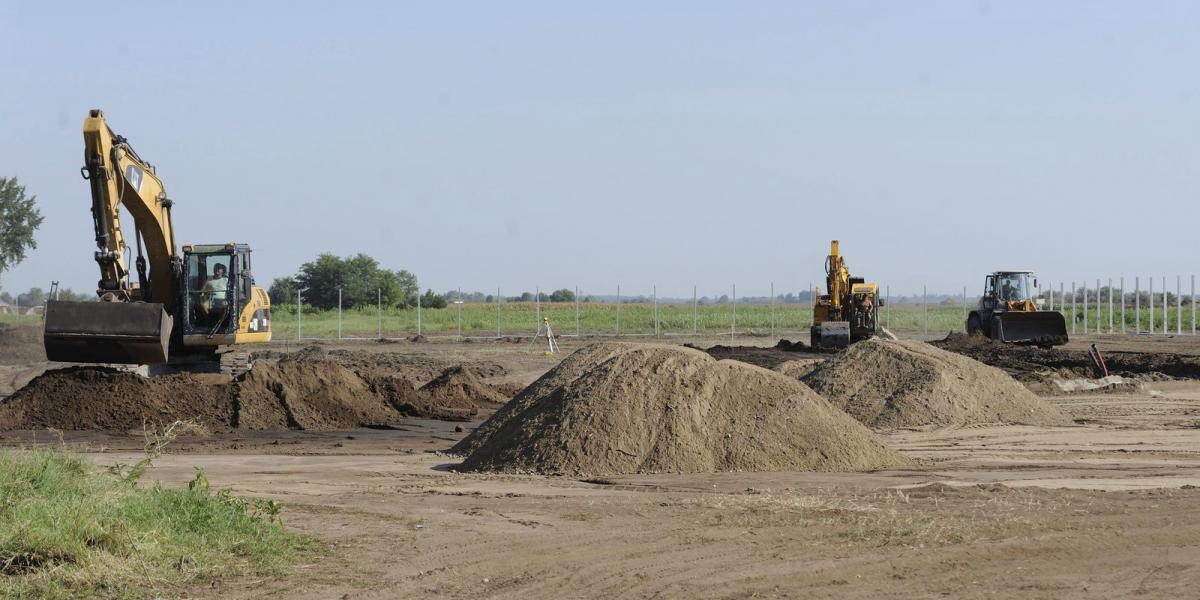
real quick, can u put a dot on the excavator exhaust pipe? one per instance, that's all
(1041, 328)
(107, 332)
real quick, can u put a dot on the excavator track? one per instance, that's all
(236, 362)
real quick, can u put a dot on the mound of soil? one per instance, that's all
(459, 386)
(310, 395)
(290, 394)
(1030, 363)
(21, 344)
(102, 398)
(414, 367)
(618, 408)
(889, 384)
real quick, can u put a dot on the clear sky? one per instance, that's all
(557, 144)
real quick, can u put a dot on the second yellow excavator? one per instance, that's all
(848, 311)
(188, 309)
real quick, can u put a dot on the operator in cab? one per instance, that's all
(212, 297)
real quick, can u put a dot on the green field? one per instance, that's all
(521, 318)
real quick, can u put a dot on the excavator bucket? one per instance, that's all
(1040, 328)
(107, 332)
(831, 335)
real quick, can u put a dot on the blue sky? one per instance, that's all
(561, 144)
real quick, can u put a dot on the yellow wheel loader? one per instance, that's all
(849, 311)
(186, 309)
(1008, 312)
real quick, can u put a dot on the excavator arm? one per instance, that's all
(130, 324)
(119, 177)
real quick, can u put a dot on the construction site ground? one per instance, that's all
(1102, 508)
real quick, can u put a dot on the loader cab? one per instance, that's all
(217, 285)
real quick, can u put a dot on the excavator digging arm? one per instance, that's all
(119, 177)
(130, 324)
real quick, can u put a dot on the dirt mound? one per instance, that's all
(101, 398)
(911, 384)
(21, 344)
(1031, 364)
(311, 395)
(307, 394)
(414, 367)
(458, 385)
(617, 408)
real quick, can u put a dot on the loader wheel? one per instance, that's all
(974, 327)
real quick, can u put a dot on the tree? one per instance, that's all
(34, 297)
(432, 300)
(19, 218)
(563, 295)
(360, 279)
(282, 290)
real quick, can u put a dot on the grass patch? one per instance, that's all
(69, 529)
(594, 318)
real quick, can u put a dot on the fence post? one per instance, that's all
(537, 309)
(887, 315)
(654, 301)
(1137, 305)
(1166, 322)
(733, 314)
(772, 308)
(418, 315)
(618, 310)
(964, 305)
(1193, 305)
(458, 315)
(1062, 297)
(1085, 307)
(339, 312)
(812, 308)
(1072, 308)
(1098, 306)
(1178, 305)
(497, 312)
(1110, 306)
(695, 311)
(1122, 306)
(576, 311)
(1151, 278)
(299, 306)
(925, 303)
(379, 313)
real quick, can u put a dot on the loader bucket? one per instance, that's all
(107, 332)
(1041, 328)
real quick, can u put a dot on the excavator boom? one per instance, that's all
(131, 323)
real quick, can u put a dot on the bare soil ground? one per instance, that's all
(1103, 508)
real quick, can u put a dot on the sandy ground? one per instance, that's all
(1102, 509)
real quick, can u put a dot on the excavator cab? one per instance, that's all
(219, 286)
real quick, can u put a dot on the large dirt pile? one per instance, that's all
(309, 395)
(107, 399)
(911, 384)
(616, 408)
(417, 368)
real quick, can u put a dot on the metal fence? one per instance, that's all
(1100, 309)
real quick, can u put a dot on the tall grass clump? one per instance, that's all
(69, 529)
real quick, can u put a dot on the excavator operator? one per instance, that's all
(213, 295)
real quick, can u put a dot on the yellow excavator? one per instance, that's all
(849, 311)
(188, 310)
